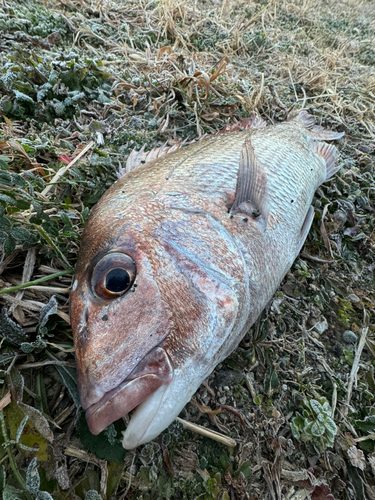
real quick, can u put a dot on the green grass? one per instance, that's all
(73, 72)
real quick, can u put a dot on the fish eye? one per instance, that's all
(113, 275)
(117, 280)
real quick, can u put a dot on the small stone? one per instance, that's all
(321, 326)
(226, 388)
(275, 413)
(349, 337)
(222, 400)
(276, 304)
(363, 148)
(339, 217)
(284, 387)
(227, 377)
(353, 298)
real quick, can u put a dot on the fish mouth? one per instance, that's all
(153, 371)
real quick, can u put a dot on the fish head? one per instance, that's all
(116, 334)
(151, 314)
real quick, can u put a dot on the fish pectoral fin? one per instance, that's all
(251, 184)
(305, 229)
(328, 153)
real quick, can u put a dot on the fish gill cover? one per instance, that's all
(81, 85)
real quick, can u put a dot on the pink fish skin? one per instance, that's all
(178, 259)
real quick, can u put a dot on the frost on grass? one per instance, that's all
(147, 74)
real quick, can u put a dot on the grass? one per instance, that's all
(91, 81)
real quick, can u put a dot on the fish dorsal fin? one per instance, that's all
(305, 229)
(307, 122)
(137, 158)
(328, 153)
(251, 184)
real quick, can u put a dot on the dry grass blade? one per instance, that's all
(83, 455)
(5, 400)
(365, 438)
(203, 431)
(45, 363)
(324, 234)
(63, 170)
(357, 357)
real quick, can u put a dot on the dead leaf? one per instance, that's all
(163, 50)
(204, 409)
(65, 159)
(220, 68)
(322, 492)
(357, 458)
(371, 459)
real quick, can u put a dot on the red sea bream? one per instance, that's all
(178, 259)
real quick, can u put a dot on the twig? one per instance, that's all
(63, 170)
(203, 431)
(357, 357)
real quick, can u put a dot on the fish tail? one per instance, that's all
(328, 153)
(307, 122)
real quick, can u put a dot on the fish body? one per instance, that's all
(178, 259)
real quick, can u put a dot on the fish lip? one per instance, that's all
(153, 371)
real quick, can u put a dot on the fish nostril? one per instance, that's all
(86, 315)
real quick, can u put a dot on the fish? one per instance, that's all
(179, 258)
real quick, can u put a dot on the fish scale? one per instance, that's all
(204, 236)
